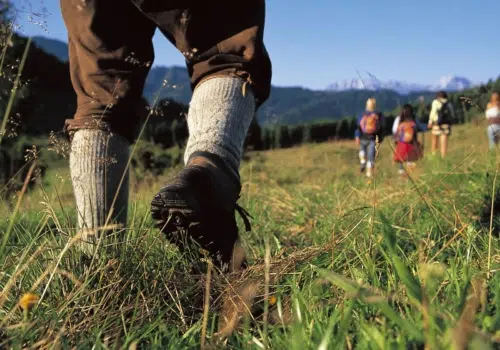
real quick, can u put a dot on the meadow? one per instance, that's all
(336, 261)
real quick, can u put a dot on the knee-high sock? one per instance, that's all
(220, 114)
(97, 163)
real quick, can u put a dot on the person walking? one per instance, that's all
(369, 130)
(440, 119)
(408, 148)
(110, 55)
(493, 117)
(421, 126)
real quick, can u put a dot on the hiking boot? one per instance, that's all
(199, 204)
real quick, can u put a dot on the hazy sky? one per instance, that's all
(315, 42)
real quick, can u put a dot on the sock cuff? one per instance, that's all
(99, 136)
(224, 88)
(99, 142)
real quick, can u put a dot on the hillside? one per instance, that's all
(286, 105)
(52, 46)
(392, 264)
(45, 97)
(299, 105)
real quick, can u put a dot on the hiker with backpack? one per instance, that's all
(408, 148)
(110, 55)
(493, 116)
(440, 120)
(421, 126)
(369, 130)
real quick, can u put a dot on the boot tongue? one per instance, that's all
(226, 187)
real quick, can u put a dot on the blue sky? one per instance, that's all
(315, 42)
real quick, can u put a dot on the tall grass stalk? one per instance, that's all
(12, 220)
(490, 234)
(14, 91)
(5, 47)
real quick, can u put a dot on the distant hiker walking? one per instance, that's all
(408, 148)
(369, 128)
(493, 117)
(110, 55)
(440, 120)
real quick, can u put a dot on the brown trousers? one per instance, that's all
(111, 51)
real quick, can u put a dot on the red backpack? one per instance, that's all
(370, 123)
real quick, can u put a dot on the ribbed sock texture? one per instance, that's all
(220, 114)
(97, 162)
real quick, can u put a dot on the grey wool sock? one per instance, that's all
(219, 116)
(97, 162)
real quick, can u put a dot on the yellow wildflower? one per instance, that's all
(28, 300)
(272, 300)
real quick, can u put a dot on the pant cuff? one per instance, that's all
(73, 125)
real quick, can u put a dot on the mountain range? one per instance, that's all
(447, 83)
(290, 105)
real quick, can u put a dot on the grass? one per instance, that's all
(337, 262)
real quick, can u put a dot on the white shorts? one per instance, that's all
(441, 129)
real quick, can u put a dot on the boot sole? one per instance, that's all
(173, 215)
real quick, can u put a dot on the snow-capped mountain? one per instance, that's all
(453, 83)
(447, 83)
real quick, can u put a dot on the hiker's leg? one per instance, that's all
(370, 164)
(434, 143)
(401, 169)
(496, 135)
(230, 72)
(492, 131)
(109, 59)
(443, 144)
(362, 154)
(229, 67)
